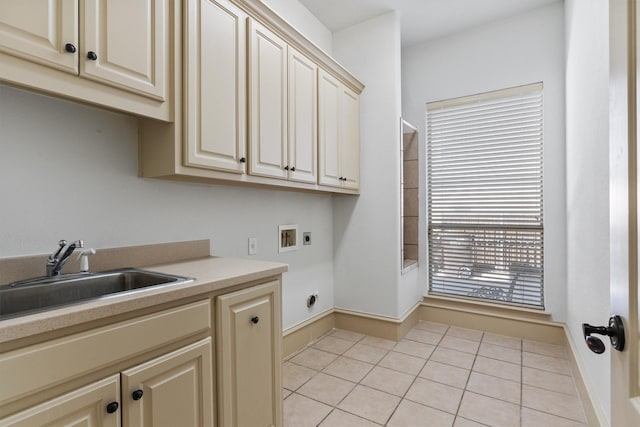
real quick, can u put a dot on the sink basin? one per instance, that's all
(29, 296)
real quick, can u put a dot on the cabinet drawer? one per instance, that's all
(39, 366)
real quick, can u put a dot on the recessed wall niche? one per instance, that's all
(409, 195)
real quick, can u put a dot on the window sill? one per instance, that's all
(484, 307)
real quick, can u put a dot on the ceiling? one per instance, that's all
(420, 20)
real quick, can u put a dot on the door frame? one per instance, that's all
(623, 176)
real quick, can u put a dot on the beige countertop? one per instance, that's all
(212, 274)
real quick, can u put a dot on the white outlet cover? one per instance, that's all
(253, 245)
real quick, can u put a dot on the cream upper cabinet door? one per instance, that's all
(249, 332)
(303, 118)
(39, 30)
(338, 133)
(215, 107)
(86, 407)
(173, 390)
(329, 129)
(268, 102)
(124, 43)
(350, 138)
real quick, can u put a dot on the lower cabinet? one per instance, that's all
(172, 390)
(86, 406)
(116, 374)
(249, 330)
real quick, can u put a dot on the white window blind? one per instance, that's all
(484, 173)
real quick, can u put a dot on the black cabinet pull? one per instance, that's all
(255, 320)
(112, 407)
(92, 55)
(293, 168)
(137, 395)
(70, 48)
(243, 160)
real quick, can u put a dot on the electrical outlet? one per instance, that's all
(253, 245)
(306, 238)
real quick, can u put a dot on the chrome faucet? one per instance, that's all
(57, 260)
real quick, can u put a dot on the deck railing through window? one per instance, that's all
(484, 173)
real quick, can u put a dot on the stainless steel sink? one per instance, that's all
(29, 296)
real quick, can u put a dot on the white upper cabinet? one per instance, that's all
(39, 30)
(283, 102)
(215, 81)
(256, 109)
(268, 102)
(123, 43)
(339, 134)
(303, 118)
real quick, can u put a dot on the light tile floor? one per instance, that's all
(438, 375)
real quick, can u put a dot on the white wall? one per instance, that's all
(523, 49)
(304, 21)
(587, 123)
(70, 171)
(367, 228)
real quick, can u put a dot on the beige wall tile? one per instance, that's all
(411, 230)
(410, 202)
(410, 173)
(410, 252)
(410, 148)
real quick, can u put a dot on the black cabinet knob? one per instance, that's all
(255, 320)
(70, 48)
(293, 168)
(112, 407)
(137, 395)
(92, 55)
(286, 168)
(243, 160)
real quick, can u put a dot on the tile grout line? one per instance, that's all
(437, 345)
